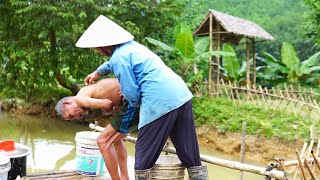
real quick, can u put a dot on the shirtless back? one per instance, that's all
(108, 88)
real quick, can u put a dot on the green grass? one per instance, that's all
(224, 115)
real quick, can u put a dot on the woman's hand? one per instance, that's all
(91, 78)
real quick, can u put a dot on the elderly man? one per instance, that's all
(105, 95)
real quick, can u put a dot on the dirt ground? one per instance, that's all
(257, 149)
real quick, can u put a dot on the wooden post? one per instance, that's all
(316, 155)
(309, 169)
(210, 59)
(248, 61)
(231, 91)
(218, 57)
(315, 160)
(243, 145)
(304, 147)
(301, 165)
(254, 62)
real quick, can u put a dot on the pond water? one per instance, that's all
(52, 145)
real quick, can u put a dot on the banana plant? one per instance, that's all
(290, 68)
(233, 68)
(188, 52)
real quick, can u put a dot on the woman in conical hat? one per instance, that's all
(165, 101)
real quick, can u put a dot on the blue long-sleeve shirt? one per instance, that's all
(146, 82)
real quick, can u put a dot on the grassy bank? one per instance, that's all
(225, 115)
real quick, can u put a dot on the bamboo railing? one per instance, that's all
(307, 162)
(273, 173)
(300, 101)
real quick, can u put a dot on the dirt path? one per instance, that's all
(257, 149)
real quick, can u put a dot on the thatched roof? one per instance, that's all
(232, 29)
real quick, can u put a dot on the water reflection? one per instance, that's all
(53, 146)
(51, 141)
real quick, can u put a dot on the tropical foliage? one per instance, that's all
(313, 17)
(38, 37)
(233, 68)
(278, 17)
(290, 68)
(185, 53)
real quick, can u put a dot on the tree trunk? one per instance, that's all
(74, 88)
(53, 53)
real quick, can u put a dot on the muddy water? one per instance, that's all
(53, 147)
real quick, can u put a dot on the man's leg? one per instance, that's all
(184, 138)
(105, 141)
(150, 142)
(122, 155)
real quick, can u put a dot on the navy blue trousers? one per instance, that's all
(179, 125)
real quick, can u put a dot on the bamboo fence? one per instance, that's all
(272, 173)
(306, 166)
(300, 101)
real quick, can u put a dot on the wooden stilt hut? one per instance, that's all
(221, 27)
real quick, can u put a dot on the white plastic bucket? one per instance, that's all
(89, 160)
(4, 167)
(18, 160)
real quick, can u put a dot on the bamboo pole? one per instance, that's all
(280, 162)
(254, 62)
(287, 91)
(217, 161)
(310, 148)
(218, 57)
(301, 165)
(237, 93)
(231, 91)
(317, 152)
(315, 160)
(309, 169)
(250, 94)
(243, 145)
(303, 105)
(225, 88)
(268, 95)
(248, 61)
(295, 162)
(257, 95)
(262, 95)
(282, 97)
(210, 59)
(305, 145)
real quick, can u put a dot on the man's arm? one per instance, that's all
(102, 70)
(128, 83)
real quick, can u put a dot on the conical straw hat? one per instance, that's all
(103, 32)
